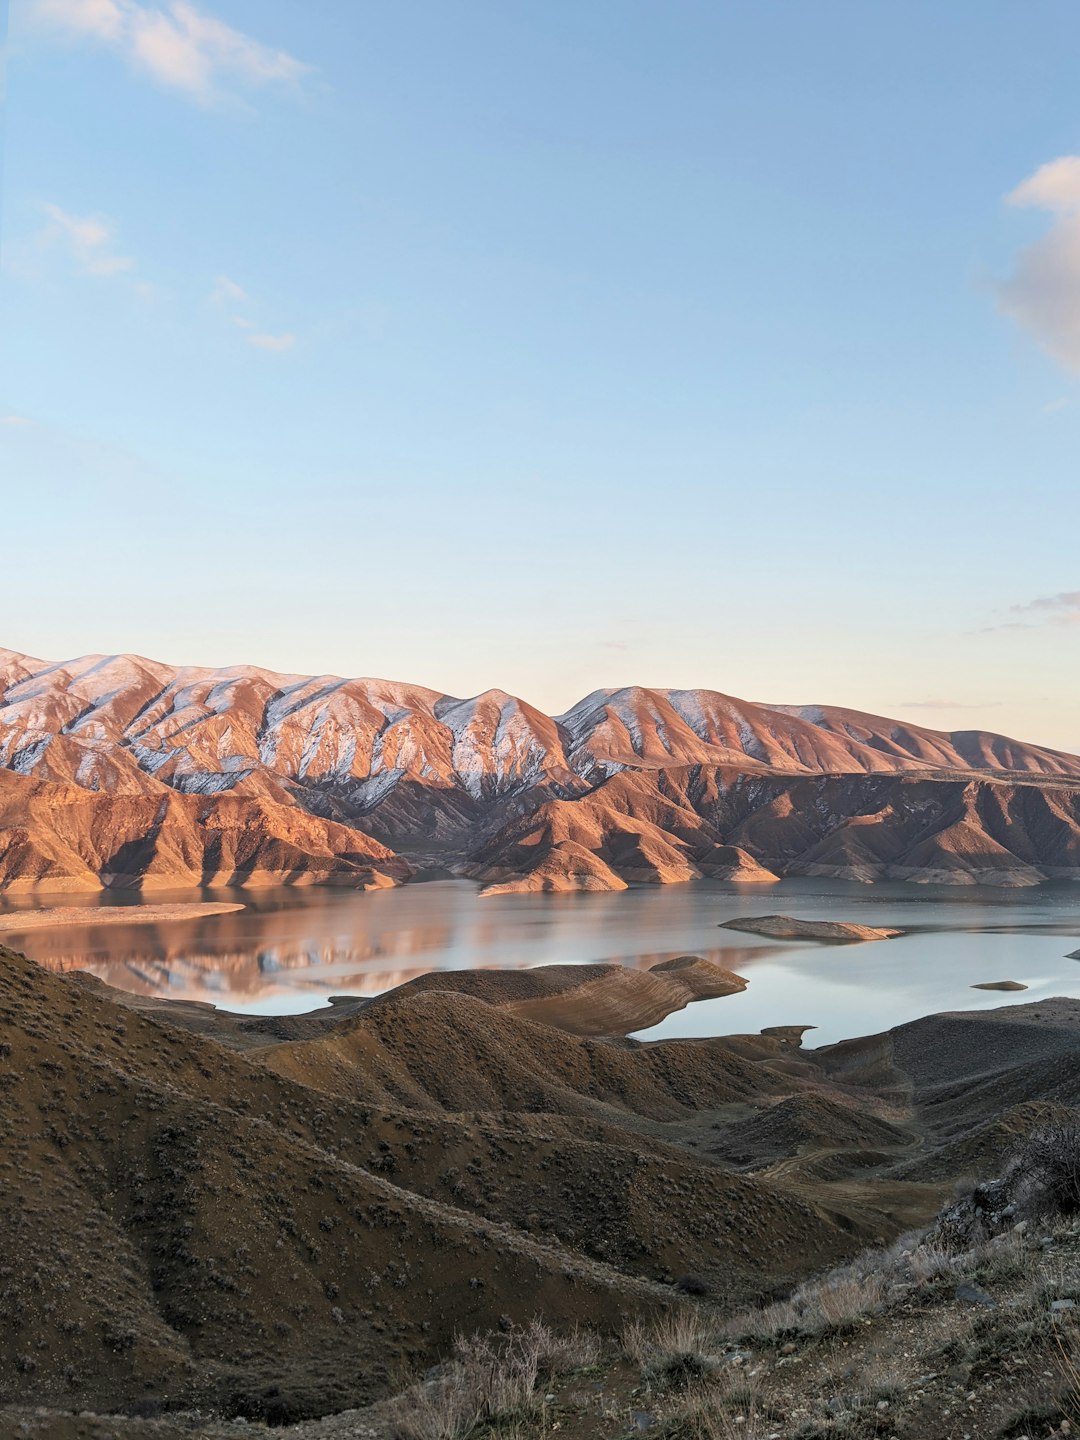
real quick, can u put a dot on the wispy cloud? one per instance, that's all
(1043, 291)
(948, 704)
(277, 343)
(1060, 609)
(174, 43)
(14, 420)
(227, 292)
(88, 239)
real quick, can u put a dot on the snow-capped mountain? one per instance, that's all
(431, 775)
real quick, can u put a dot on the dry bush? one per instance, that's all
(491, 1378)
(673, 1350)
(767, 1323)
(578, 1349)
(927, 1262)
(1003, 1258)
(819, 1307)
(837, 1306)
(1045, 1171)
(1056, 1278)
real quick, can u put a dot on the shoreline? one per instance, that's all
(16, 922)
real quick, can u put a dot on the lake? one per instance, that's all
(288, 950)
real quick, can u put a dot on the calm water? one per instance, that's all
(289, 950)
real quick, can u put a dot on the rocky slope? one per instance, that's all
(276, 1227)
(672, 825)
(629, 785)
(62, 838)
(280, 1218)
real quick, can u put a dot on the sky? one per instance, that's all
(549, 346)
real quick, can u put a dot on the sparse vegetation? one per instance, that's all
(162, 1190)
(676, 1349)
(1044, 1176)
(492, 1379)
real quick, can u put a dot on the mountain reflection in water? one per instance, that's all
(288, 951)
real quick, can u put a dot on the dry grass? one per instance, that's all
(706, 1415)
(492, 1379)
(822, 1307)
(1067, 1366)
(674, 1350)
(839, 1306)
(874, 1280)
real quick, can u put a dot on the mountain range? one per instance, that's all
(122, 771)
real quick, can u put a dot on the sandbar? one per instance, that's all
(19, 920)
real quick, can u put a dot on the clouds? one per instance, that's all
(228, 292)
(277, 344)
(1060, 609)
(230, 295)
(1043, 292)
(948, 704)
(88, 240)
(174, 43)
(75, 246)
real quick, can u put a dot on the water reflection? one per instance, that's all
(290, 950)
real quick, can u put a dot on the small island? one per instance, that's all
(829, 932)
(1000, 985)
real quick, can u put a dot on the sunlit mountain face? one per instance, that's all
(122, 772)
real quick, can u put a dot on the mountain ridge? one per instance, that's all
(472, 784)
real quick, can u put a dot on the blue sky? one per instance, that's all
(552, 345)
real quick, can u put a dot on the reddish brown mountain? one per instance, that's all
(58, 837)
(628, 785)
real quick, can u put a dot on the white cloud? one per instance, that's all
(89, 241)
(14, 420)
(229, 295)
(277, 343)
(1054, 187)
(1043, 292)
(228, 292)
(175, 43)
(101, 19)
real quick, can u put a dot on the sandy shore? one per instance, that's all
(18, 921)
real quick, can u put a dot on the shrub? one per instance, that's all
(491, 1379)
(1045, 1171)
(674, 1350)
(691, 1285)
(733, 1414)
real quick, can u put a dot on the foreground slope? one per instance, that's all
(218, 1213)
(273, 1230)
(278, 1218)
